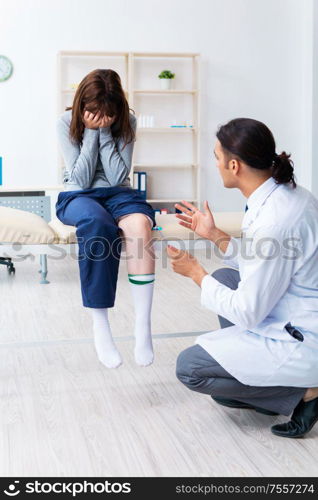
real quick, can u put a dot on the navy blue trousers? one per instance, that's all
(95, 212)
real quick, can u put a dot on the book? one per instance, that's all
(136, 181)
(142, 184)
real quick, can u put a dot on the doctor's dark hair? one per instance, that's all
(252, 142)
(101, 91)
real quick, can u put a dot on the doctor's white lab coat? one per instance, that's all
(277, 258)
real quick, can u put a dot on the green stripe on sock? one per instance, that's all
(140, 282)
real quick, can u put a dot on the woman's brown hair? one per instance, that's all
(101, 90)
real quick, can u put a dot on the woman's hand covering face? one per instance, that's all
(97, 120)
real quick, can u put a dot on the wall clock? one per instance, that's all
(6, 68)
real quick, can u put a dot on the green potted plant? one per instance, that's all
(166, 78)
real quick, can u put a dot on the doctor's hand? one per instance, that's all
(184, 263)
(201, 223)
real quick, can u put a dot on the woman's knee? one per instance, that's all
(135, 225)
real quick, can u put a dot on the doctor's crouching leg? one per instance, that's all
(200, 372)
(230, 278)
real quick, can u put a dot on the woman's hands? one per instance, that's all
(97, 121)
(200, 222)
(90, 120)
(107, 121)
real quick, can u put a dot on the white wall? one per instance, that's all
(253, 64)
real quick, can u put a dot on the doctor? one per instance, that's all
(265, 357)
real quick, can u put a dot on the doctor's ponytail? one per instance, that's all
(252, 142)
(283, 169)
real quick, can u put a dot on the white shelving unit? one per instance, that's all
(169, 155)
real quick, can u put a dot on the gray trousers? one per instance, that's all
(200, 372)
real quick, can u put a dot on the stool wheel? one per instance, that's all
(11, 269)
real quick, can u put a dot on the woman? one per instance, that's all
(265, 358)
(96, 137)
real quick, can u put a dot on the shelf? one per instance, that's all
(77, 53)
(179, 158)
(58, 187)
(166, 129)
(165, 165)
(164, 55)
(159, 91)
(72, 91)
(163, 91)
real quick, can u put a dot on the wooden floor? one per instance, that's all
(62, 413)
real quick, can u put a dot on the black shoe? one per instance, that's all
(232, 403)
(303, 419)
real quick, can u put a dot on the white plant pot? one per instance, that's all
(166, 83)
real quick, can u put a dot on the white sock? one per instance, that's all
(142, 291)
(106, 350)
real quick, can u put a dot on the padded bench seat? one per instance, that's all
(19, 226)
(34, 235)
(229, 222)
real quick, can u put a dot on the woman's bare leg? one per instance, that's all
(141, 273)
